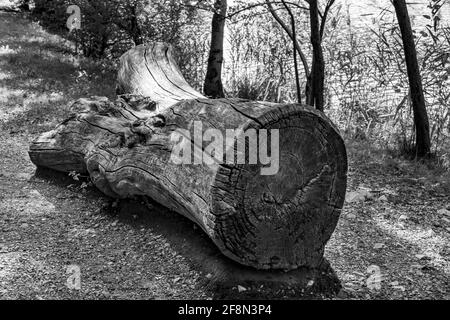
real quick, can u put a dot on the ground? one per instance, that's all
(392, 241)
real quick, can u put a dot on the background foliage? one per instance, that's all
(366, 82)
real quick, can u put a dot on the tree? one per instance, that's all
(213, 86)
(318, 65)
(314, 89)
(423, 144)
(130, 21)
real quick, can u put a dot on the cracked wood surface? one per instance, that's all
(281, 221)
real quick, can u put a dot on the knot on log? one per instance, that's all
(138, 103)
(281, 220)
(100, 105)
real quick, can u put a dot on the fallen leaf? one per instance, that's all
(422, 257)
(444, 212)
(241, 288)
(401, 288)
(359, 195)
(446, 220)
(147, 285)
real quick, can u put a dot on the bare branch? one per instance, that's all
(291, 35)
(324, 17)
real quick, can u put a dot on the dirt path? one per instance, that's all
(395, 224)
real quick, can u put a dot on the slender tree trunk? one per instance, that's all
(294, 33)
(318, 65)
(135, 28)
(297, 47)
(308, 89)
(25, 5)
(423, 144)
(213, 82)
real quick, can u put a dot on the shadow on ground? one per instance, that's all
(221, 277)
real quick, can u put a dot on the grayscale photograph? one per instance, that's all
(204, 151)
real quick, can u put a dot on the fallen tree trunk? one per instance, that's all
(267, 219)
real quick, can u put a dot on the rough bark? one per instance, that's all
(294, 33)
(213, 86)
(318, 66)
(423, 144)
(280, 221)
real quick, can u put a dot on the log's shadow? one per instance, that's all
(64, 180)
(222, 277)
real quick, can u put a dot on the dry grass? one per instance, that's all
(39, 76)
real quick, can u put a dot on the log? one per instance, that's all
(259, 217)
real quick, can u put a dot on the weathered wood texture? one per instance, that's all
(151, 71)
(280, 221)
